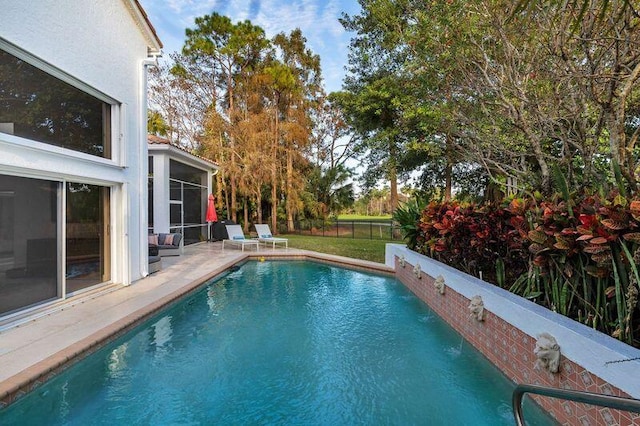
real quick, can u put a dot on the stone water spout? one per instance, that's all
(476, 308)
(547, 352)
(439, 284)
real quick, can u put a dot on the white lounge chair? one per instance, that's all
(236, 237)
(265, 236)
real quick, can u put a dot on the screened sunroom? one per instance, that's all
(179, 186)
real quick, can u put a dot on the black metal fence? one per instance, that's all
(374, 230)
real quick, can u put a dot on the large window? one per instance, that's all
(38, 106)
(185, 173)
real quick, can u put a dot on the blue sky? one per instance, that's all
(318, 20)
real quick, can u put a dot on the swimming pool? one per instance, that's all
(282, 343)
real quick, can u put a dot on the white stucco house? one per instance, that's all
(73, 148)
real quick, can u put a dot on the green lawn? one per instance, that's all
(356, 248)
(362, 217)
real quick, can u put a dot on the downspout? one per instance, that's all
(144, 163)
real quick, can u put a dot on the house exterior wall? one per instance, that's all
(160, 193)
(99, 44)
(590, 361)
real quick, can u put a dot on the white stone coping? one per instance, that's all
(591, 349)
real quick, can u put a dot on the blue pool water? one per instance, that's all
(294, 343)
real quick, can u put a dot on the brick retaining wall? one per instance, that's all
(511, 350)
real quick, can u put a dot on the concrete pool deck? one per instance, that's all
(40, 345)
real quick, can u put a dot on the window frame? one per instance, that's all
(115, 126)
(108, 258)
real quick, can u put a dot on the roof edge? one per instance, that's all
(159, 144)
(146, 27)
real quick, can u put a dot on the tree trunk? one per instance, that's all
(274, 176)
(219, 186)
(289, 191)
(545, 177)
(246, 215)
(234, 174)
(234, 210)
(259, 204)
(226, 199)
(545, 173)
(448, 170)
(393, 176)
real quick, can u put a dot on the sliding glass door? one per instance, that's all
(29, 231)
(87, 236)
(31, 255)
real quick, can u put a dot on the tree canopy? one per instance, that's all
(254, 105)
(497, 92)
(472, 98)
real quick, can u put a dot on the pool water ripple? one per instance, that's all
(282, 343)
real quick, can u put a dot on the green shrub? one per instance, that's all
(577, 257)
(407, 217)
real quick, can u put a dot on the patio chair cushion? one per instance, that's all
(169, 240)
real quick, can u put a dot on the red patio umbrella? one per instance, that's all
(212, 216)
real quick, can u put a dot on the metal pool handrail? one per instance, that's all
(616, 402)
